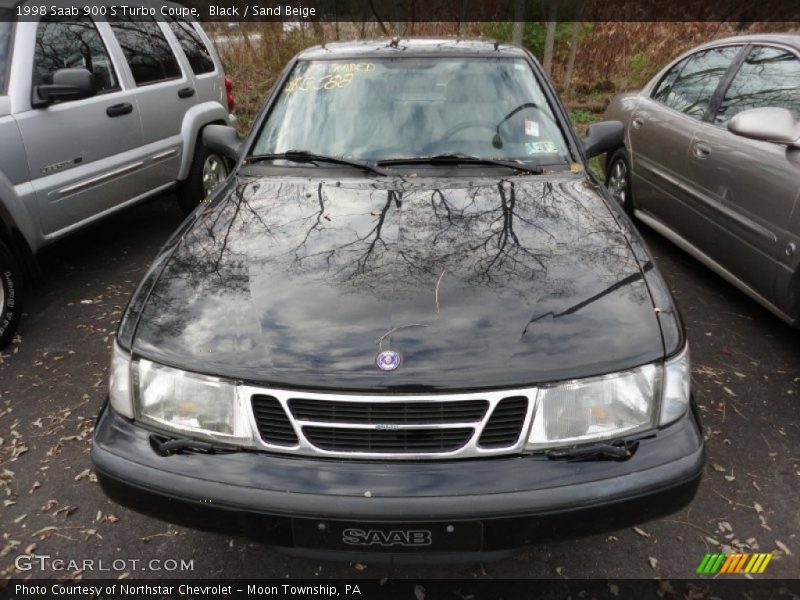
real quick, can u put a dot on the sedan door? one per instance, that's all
(746, 190)
(660, 133)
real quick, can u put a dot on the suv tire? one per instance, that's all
(208, 170)
(10, 295)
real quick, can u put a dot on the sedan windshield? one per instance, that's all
(392, 108)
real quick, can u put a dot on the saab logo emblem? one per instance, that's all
(388, 360)
(734, 563)
(393, 537)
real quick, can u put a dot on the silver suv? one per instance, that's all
(96, 116)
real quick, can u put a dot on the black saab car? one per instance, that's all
(410, 321)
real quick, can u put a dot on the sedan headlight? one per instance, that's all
(599, 408)
(189, 403)
(119, 382)
(677, 387)
(611, 406)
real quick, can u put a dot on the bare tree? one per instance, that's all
(462, 19)
(573, 49)
(519, 22)
(549, 41)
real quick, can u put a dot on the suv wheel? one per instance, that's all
(10, 295)
(618, 179)
(208, 171)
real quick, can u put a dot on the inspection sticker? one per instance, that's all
(531, 128)
(540, 147)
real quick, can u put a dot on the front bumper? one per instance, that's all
(517, 499)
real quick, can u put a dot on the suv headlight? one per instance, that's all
(189, 403)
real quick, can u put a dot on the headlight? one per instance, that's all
(119, 382)
(600, 408)
(189, 403)
(677, 387)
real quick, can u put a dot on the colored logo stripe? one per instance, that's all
(734, 563)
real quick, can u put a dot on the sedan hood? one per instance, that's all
(491, 283)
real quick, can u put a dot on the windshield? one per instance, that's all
(387, 108)
(5, 45)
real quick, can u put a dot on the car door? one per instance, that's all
(79, 152)
(746, 190)
(662, 128)
(164, 91)
(195, 48)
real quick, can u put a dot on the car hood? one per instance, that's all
(489, 283)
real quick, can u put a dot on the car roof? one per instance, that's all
(413, 47)
(788, 38)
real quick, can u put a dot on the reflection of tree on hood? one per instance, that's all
(386, 241)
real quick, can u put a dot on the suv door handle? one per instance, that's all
(701, 150)
(186, 92)
(117, 110)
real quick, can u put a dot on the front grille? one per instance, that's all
(505, 423)
(273, 424)
(405, 441)
(395, 413)
(396, 426)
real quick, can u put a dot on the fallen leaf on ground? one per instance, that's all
(784, 548)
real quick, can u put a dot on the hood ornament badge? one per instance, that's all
(388, 360)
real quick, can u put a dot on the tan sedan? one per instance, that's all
(712, 161)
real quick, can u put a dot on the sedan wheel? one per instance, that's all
(618, 180)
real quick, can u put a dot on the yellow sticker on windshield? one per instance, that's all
(331, 76)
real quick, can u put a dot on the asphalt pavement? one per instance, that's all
(746, 378)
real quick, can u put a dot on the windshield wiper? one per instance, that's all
(304, 156)
(616, 450)
(461, 159)
(168, 446)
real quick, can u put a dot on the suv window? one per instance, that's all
(146, 49)
(768, 77)
(193, 47)
(698, 80)
(69, 44)
(5, 45)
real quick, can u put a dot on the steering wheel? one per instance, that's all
(469, 125)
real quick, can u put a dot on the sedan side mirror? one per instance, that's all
(68, 84)
(768, 124)
(223, 140)
(603, 137)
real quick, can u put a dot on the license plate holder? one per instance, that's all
(450, 536)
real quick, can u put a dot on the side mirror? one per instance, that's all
(68, 84)
(223, 140)
(768, 124)
(603, 137)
